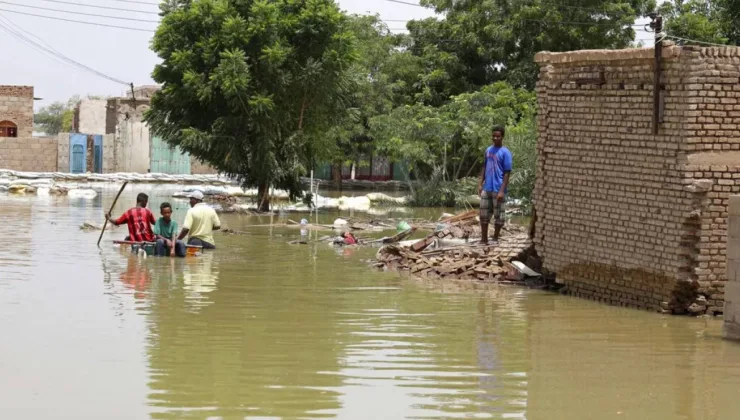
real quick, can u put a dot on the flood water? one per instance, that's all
(261, 329)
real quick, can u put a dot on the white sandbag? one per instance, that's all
(82, 193)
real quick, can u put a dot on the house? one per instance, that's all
(16, 111)
(627, 215)
(19, 149)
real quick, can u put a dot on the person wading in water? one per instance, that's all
(139, 220)
(493, 186)
(200, 222)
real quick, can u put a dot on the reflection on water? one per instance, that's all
(263, 329)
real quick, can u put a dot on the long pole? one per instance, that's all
(111, 209)
(657, 26)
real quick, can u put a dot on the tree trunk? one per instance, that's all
(263, 197)
(336, 172)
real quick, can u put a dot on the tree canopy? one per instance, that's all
(264, 90)
(713, 21)
(252, 86)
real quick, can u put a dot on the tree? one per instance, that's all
(252, 86)
(716, 21)
(483, 41)
(58, 117)
(449, 140)
(51, 118)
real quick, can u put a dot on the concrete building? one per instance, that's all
(625, 216)
(90, 116)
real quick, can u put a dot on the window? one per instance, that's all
(8, 129)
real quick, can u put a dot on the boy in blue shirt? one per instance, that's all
(165, 232)
(493, 186)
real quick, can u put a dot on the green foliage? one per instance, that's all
(58, 117)
(483, 41)
(51, 119)
(439, 193)
(449, 140)
(253, 86)
(699, 20)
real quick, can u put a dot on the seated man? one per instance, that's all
(165, 232)
(200, 222)
(139, 220)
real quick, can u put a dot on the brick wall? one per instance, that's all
(37, 154)
(16, 105)
(624, 216)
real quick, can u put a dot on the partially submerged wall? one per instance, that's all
(625, 216)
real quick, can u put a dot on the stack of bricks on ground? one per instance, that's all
(486, 263)
(624, 216)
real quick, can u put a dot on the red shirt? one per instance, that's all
(139, 221)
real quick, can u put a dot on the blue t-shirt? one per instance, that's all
(498, 162)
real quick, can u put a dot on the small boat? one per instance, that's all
(148, 247)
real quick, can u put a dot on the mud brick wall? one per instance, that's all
(625, 216)
(16, 105)
(37, 154)
(610, 196)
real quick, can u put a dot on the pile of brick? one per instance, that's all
(469, 262)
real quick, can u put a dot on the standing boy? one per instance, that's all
(165, 232)
(139, 220)
(493, 186)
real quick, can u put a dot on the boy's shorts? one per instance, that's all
(489, 206)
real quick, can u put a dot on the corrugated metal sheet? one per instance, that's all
(167, 159)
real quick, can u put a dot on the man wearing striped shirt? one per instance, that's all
(139, 220)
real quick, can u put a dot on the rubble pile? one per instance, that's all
(473, 262)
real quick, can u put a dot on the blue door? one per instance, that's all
(78, 151)
(98, 157)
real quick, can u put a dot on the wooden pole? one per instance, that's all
(657, 25)
(109, 211)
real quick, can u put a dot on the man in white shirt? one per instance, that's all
(200, 222)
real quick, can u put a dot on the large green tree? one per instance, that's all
(252, 86)
(482, 41)
(714, 21)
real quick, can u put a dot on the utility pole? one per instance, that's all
(657, 25)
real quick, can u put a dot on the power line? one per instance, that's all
(56, 54)
(78, 21)
(78, 13)
(7, 28)
(406, 3)
(101, 7)
(697, 42)
(137, 2)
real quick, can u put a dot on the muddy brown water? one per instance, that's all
(261, 329)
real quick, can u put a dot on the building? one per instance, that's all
(16, 111)
(116, 128)
(623, 215)
(19, 150)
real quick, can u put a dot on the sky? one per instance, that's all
(121, 54)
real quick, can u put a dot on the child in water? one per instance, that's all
(165, 231)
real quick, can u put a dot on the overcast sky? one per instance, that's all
(122, 54)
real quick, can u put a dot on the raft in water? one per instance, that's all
(190, 250)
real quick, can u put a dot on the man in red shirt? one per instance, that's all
(139, 220)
